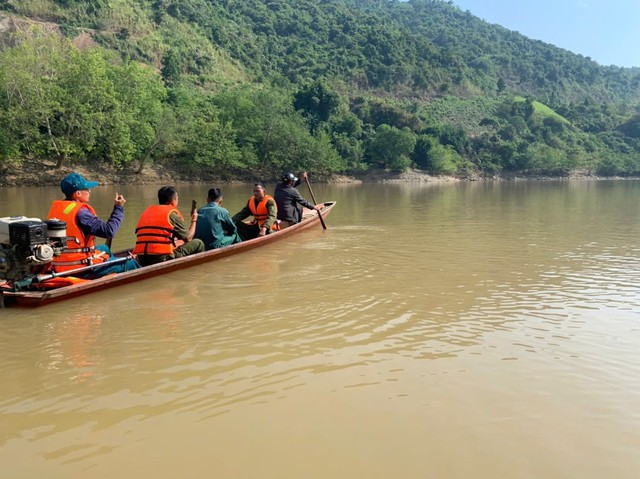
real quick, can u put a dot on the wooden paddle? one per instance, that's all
(324, 227)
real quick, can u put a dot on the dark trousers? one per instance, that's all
(249, 231)
(192, 247)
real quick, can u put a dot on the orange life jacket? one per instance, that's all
(81, 250)
(60, 282)
(155, 231)
(261, 212)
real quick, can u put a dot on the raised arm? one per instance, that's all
(92, 225)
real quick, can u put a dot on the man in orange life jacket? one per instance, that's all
(160, 226)
(264, 211)
(83, 227)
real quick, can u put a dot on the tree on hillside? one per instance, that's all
(443, 160)
(64, 103)
(391, 147)
(272, 134)
(34, 103)
(317, 101)
(140, 96)
(204, 136)
(346, 131)
(631, 127)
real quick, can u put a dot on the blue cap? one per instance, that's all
(74, 182)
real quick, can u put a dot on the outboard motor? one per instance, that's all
(27, 245)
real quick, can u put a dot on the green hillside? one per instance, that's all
(253, 86)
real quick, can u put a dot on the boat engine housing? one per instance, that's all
(28, 245)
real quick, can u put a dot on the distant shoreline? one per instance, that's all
(34, 174)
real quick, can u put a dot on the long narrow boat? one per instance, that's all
(33, 298)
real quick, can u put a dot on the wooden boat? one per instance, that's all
(34, 297)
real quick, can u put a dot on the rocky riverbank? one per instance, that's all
(30, 173)
(38, 174)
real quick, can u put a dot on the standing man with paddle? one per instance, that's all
(83, 227)
(288, 198)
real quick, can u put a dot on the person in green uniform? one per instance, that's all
(214, 225)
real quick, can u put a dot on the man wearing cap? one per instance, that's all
(288, 198)
(83, 226)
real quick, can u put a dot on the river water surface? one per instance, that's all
(475, 330)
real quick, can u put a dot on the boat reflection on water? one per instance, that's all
(73, 346)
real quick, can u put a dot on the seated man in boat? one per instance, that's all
(214, 226)
(160, 226)
(83, 227)
(288, 198)
(264, 211)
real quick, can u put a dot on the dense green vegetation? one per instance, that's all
(256, 87)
